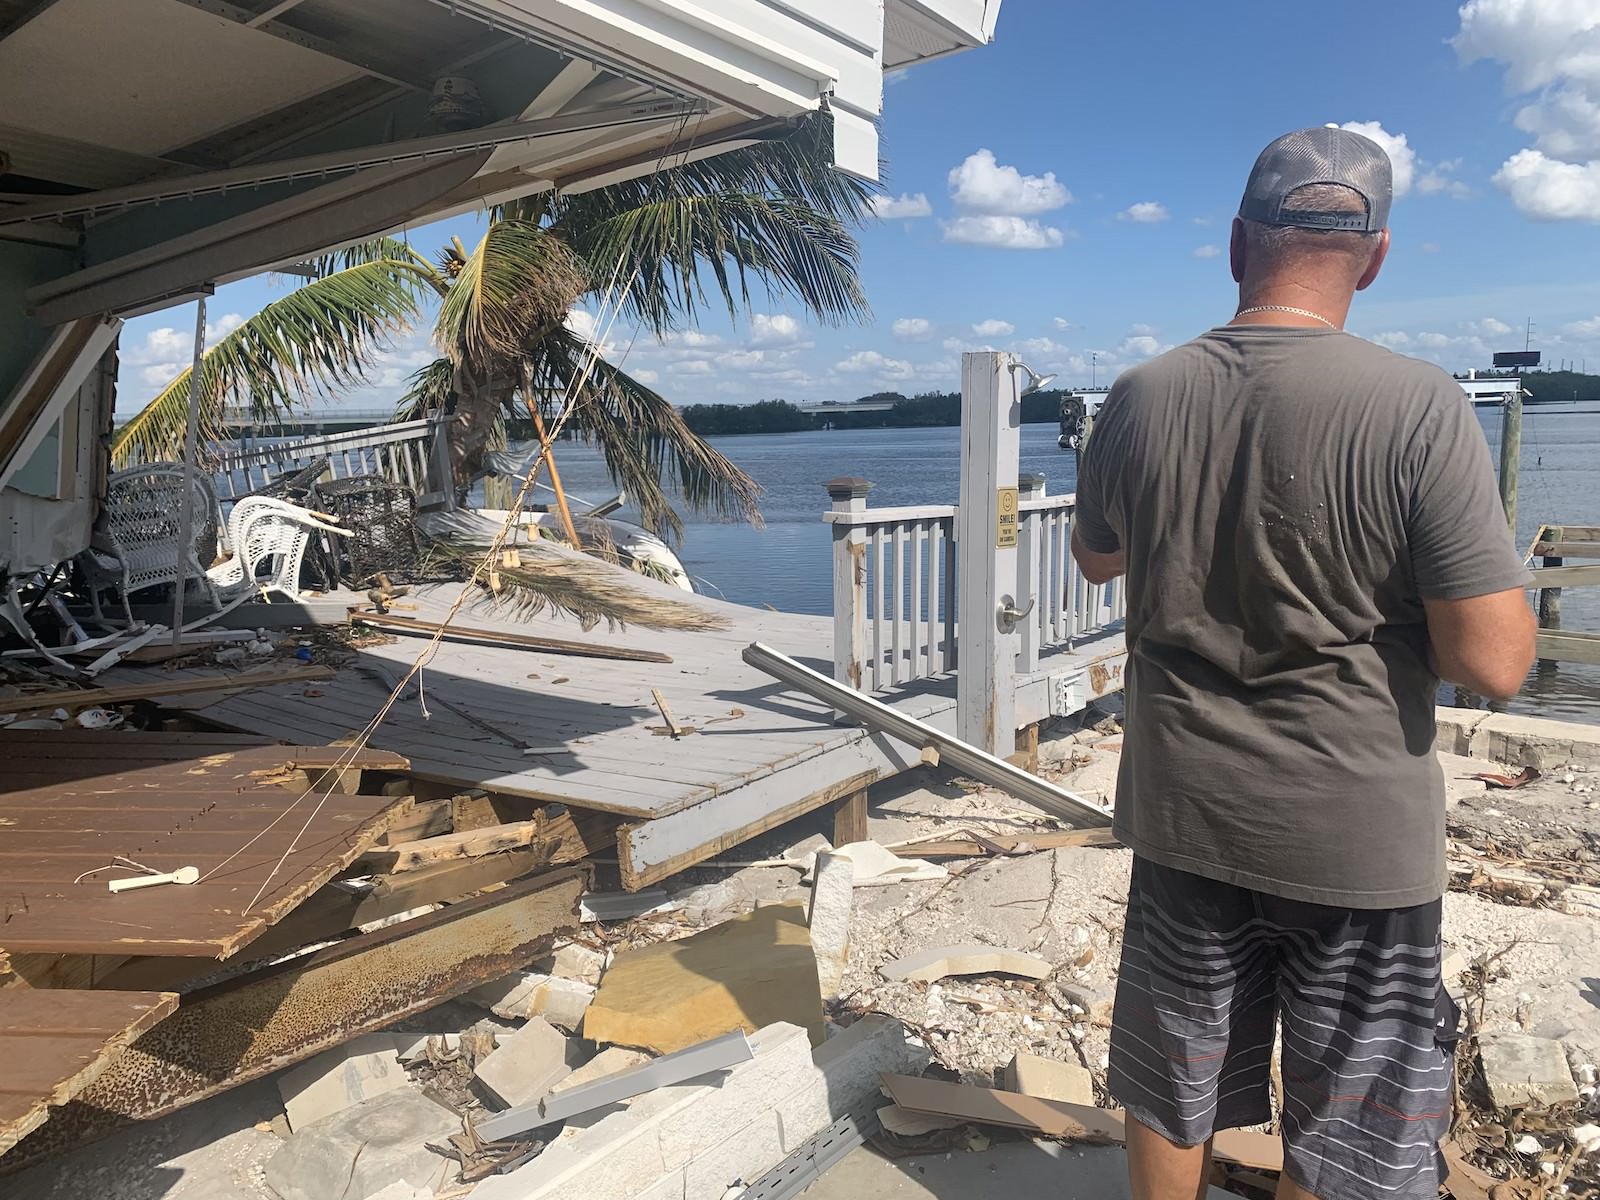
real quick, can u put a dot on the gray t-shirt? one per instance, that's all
(1287, 498)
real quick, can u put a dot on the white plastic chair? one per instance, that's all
(271, 534)
(143, 516)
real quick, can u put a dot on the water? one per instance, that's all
(789, 564)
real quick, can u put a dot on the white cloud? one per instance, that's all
(1141, 345)
(1583, 329)
(1401, 156)
(1454, 352)
(1146, 212)
(741, 360)
(1208, 251)
(1045, 350)
(1547, 189)
(1488, 327)
(907, 206)
(646, 376)
(1062, 324)
(1429, 247)
(913, 329)
(1550, 49)
(1142, 330)
(1434, 183)
(984, 185)
(870, 362)
(993, 328)
(779, 329)
(1003, 233)
(691, 366)
(1203, 220)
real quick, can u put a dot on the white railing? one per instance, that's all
(412, 453)
(1067, 606)
(894, 586)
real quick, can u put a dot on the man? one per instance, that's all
(1312, 538)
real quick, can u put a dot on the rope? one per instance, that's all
(610, 312)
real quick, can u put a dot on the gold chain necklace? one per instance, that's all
(1286, 308)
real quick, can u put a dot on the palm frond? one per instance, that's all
(390, 249)
(646, 444)
(555, 579)
(317, 340)
(428, 391)
(519, 280)
(775, 214)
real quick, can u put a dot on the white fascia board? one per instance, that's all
(970, 21)
(701, 51)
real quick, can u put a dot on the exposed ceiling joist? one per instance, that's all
(400, 76)
(273, 12)
(338, 161)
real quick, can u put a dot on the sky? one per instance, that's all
(1066, 193)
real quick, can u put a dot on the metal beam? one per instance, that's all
(953, 752)
(249, 1027)
(314, 166)
(262, 22)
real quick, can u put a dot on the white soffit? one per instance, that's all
(146, 76)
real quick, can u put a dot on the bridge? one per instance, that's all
(830, 407)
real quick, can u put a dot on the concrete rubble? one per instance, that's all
(1000, 970)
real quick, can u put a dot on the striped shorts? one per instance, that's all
(1210, 970)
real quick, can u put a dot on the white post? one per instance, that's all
(849, 495)
(191, 450)
(1032, 562)
(991, 420)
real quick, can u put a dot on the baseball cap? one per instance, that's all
(1323, 154)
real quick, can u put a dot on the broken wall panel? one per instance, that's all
(249, 1027)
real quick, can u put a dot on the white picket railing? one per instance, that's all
(413, 453)
(894, 586)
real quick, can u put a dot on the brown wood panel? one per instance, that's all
(55, 1044)
(260, 848)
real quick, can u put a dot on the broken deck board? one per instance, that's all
(55, 1044)
(590, 724)
(242, 816)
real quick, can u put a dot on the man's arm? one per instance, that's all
(1098, 568)
(1485, 643)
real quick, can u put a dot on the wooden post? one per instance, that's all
(1031, 541)
(850, 819)
(986, 523)
(848, 494)
(1511, 454)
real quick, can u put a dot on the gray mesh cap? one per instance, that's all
(1324, 154)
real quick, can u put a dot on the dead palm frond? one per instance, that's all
(516, 283)
(554, 579)
(316, 340)
(646, 444)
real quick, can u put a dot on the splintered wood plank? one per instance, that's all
(157, 686)
(55, 1044)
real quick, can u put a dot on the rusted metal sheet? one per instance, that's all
(76, 809)
(56, 1044)
(252, 1026)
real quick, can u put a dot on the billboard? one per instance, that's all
(1517, 358)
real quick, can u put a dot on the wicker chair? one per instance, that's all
(140, 542)
(270, 534)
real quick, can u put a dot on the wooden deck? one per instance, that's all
(586, 732)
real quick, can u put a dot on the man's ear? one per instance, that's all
(1236, 249)
(1376, 265)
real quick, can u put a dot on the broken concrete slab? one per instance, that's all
(753, 971)
(573, 960)
(1524, 1071)
(1048, 1079)
(528, 994)
(829, 919)
(525, 1065)
(1533, 741)
(609, 1061)
(329, 1083)
(973, 958)
(357, 1153)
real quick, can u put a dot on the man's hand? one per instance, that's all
(1485, 643)
(1098, 568)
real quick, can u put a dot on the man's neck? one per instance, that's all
(1288, 304)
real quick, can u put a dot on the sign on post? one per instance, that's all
(1005, 529)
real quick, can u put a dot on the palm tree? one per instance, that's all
(659, 249)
